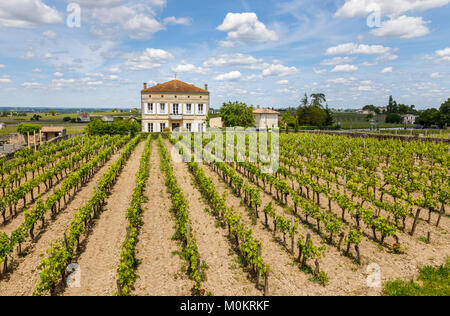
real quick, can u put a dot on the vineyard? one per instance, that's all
(122, 215)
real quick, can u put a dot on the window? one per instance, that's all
(163, 126)
(189, 127)
(163, 107)
(150, 107)
(189, 108)
(150, 127)
(176, 109)
(200, 127)
(200, 109)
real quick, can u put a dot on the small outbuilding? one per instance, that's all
(50, 132)
(108, 119)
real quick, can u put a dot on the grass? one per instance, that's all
(432, 281)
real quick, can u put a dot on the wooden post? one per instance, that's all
(119, 288)
(442, 212)
(415, 222)
(429, 237)
(266, 283)
(28, 140)
(34, 141)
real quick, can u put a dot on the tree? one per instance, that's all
(318, 98)
(118, 127)
(330, 118)
(444, 119)
(67, 119)
(288, 119)
(305, 101)
(312, 115)
(25, 129)
(393, 118)
(390, 107)
(52, 112)
(36, 117)
(429, 117)
(236, 114)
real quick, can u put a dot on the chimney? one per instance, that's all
(206, 87)
(145, 85)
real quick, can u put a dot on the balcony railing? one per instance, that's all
(176, 117)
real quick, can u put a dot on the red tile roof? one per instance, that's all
(53, 129)
(264, 111)
(175, 86)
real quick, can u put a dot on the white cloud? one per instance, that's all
(50, 34)
(345, 68)
(336, 61)
(58, 74)
(175, 20)
(402, 27)
(226, 44)
(278, 70)
(5, 80)
(319, 71)
(444, 54)
(2, 66)
(136, 24)
(29, 55)
(386, 57)
(151, 58)
(365, 88)
(31, 84)
(246, 27)
(114, 70)
(97, 3)
(283, 82)
(386, 70)
(339, 81)
(36, 70)
(27, 14)
(231, 76)
(234, 60)
(141, 27)
(352, 8)
(436, 75)
(183, 68)
(353, 49)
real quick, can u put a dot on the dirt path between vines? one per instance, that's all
(224, 274)
(285, 278)
(159, 272)
(23, 279)
(99, 261)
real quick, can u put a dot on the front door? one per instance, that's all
(175, 126)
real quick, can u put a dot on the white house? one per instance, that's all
(174, 105)
(265, 118)
(2, 125)
(409, 119)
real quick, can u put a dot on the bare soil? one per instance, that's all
(224, 274)
(159, 272)
(25, 273)
(99, 261)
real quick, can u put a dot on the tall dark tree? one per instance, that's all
(318, 99)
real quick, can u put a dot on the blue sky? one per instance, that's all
(263, 52)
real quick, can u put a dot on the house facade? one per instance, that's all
(265, 118)
(84, 117)
(174, 105)
(409, 119)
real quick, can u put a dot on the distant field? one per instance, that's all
(359, 121)
(53, 120)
